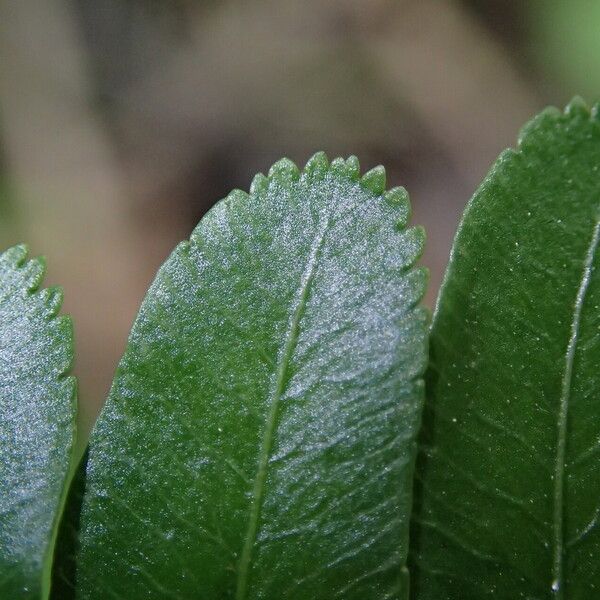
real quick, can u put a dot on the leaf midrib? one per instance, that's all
(269, 430)
(563, 412)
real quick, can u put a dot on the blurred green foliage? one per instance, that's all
(566, 41)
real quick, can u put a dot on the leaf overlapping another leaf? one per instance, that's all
(259, 437)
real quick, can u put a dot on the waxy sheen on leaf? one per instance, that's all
(259, 437)
(37, 421)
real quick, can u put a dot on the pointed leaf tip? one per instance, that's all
(338, 166)
(399, 199)
(415, 240)
(397, 196)
(259, 185)
(35, 270)
(577, 106)
(16, 255)
(52, 299)
(317, 164)
(347, 168)
(284, 170)
(353, 167)
(374, 180)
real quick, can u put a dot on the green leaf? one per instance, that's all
(259, 437)
(508, 499)
(37, 416)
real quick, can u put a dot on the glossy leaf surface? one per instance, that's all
(37, 412)
(508, 495)
(259, 438)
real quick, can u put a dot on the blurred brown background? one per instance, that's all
(123, 121)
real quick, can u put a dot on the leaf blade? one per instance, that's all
(37, 423)
(280, 443)
(508, 402)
